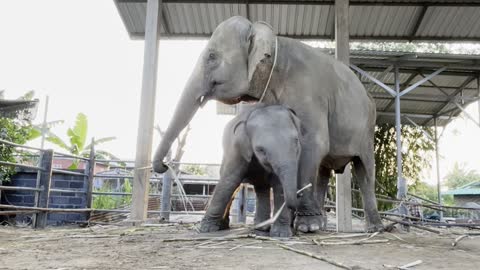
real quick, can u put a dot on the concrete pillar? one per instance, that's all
(344, 181)
(147, 111)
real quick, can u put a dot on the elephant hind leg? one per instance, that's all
(322, 188)
(364, 170)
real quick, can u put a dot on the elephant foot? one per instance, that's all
(213, 225)
(308, 223)
(375, 228)
(281, 231)
(324, 221)
(259, 232)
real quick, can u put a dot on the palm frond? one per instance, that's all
(100, 141)
(58, 142)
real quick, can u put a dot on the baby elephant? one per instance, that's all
(261, 146)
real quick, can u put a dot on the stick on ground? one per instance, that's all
(327, 260)
(458, 239)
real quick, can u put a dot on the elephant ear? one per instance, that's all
(295, 120)
(242, 141)
(262, 42)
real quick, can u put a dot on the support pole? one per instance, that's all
(45, 181)
(478, 102)
(166, 205)
(401, 184)
(90, 171)
(437, 160)
(44, 124)
(344, 181)
(147, 111)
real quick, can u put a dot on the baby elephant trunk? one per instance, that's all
(288, 179)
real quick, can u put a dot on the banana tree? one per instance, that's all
(76, 144)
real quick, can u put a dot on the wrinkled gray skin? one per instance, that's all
(262, 145)
(337, 114)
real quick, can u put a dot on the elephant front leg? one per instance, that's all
(217, 216)
(308, 215)
(282, 226)
(263, 210)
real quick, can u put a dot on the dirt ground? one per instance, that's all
(123, 247)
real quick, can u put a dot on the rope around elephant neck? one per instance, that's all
(271, 71)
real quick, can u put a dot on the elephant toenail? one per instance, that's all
(314, 227)
(303, 228)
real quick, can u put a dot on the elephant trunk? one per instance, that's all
(192, 98)
(288, 179)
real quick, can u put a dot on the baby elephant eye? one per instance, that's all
(260, 150)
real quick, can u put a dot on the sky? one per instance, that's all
(79, 54)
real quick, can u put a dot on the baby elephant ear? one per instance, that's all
(262, 46)
(242, 141)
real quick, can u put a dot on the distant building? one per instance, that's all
(469, 193)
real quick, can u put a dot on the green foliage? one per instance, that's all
(15, 128)
(113, 202)
(459, 176)
(422, 47)
(16, 132)
(425, 190)
(76, 144)
(194, 169)
(415, 157)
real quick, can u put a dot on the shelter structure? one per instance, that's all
(466, 194)
(424, 90)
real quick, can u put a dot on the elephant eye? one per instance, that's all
(212, 56)
(260, 150)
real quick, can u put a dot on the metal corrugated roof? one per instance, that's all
(470, 189)
(314, 19)
(458, 83)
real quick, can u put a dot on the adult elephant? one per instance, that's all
(337, 114)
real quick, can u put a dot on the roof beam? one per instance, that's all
(370, 77)
(422, 81)
(462, 73)
(425, 98)
(418, 22)
(412, 76)
(462, 86)
(413, 115)
(324, 2)
(165, 21)
(139, 35)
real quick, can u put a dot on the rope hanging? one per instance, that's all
(271, 71)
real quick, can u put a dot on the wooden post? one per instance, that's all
(240, 205)
(147, 110)
(344, 181)
(90, 171)
(166, 204)
(45, 180)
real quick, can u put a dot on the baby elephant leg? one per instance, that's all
(282, 226)
(263, 210)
